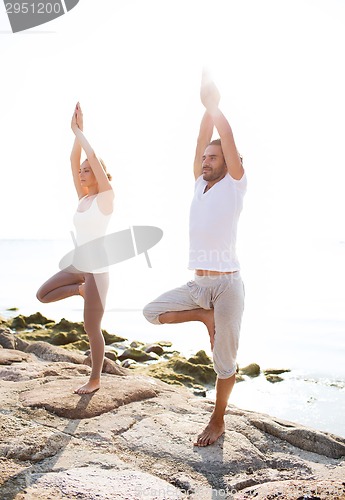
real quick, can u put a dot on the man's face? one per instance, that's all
(213, 164)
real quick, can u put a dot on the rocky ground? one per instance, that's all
(133, 439)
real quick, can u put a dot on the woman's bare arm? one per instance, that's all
(100, 174)
(75, 161)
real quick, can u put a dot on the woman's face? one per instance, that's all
(86, 175)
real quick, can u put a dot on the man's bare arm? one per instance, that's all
(210, 98)
(204, 138)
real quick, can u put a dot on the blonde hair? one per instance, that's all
(105, 169)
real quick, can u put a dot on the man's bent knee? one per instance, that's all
(224, 370)
(151, 315)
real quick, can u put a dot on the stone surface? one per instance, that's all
(57, 397)
(49, 352)
(134, 437)
(9, 356)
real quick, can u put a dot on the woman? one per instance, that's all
(95, 207)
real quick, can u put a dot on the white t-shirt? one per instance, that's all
(213, 224)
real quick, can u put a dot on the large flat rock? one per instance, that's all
(134, 439)
(91, 483)
(58, 397)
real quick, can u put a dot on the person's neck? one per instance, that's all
(212, 183)
(92, 191)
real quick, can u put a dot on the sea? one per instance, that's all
(294, 319)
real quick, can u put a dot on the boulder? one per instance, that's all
(252, 370)
(276, 371)
(63, 338)
(111, 338)
(301, 437)
(273, 379)
(112, 355)
(137, 355)
(50, 352)
(156, 348)
(201, 373)
(127, 363)
(200, 358)
(109, 366)
(177, 370)
(41, 334)
(9, 356)
(9, 340)
(18, 323)
(164, 343)
(66, 326)
(58, 396)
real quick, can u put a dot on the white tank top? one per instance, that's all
(213, 224)
(89, 225)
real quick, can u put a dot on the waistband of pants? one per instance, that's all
(216, 278)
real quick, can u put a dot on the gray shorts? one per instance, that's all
(223, 293)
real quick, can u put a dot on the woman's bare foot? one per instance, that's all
(82, 290)
(211, 433)
(89, 387)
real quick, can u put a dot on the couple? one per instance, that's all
(215, 296)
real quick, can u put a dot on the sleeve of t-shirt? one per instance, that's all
(241, 184)
(198, 181)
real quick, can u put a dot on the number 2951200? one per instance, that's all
(33, 8)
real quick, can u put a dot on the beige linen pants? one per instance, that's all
(225, 294)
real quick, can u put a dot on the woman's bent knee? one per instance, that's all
(40, 296)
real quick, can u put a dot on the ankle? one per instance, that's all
(217, 418)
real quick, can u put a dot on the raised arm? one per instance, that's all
(204, 138)
(210, 98)
(75, 159)
(95, 164)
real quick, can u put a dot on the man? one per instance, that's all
(216, 295)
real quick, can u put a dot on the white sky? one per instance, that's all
(135, 66)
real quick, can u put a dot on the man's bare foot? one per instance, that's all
(89, 387)
(208, 319)
(82, 290)
(211, 433)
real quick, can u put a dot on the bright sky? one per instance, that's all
(135, 67)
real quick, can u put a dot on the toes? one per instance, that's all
(86, 390)
(202, 440)
(81, 390)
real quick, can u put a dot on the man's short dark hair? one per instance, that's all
(218, 142)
